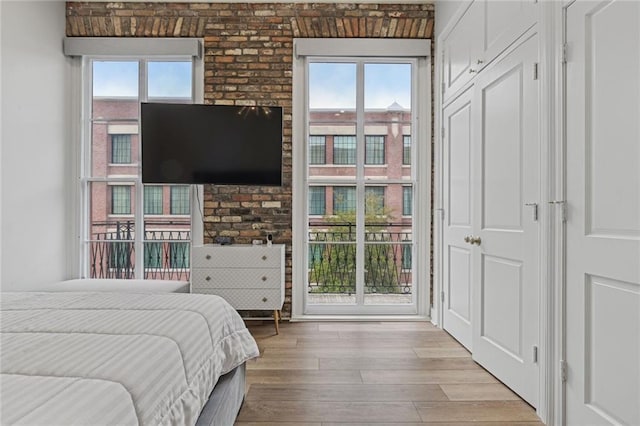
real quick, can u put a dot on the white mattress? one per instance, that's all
(115, 358)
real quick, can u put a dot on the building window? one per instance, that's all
(317, 150)
(406, 150)
(152, 200)
(374, 200)
(344, 150)
(317, 200)
(152, 255)
(406, 256)
(121, 149)
(374, 150)
(407, 201)
(344, 199)
(178, 255)
(180, 200)
(120, 199)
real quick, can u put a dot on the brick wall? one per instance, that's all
(248, 61)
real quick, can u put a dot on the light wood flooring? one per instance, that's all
(371, 373)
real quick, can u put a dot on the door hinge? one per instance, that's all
(442, 296)
(441, 213)
(563, 370)
(535, 71)
(442, 133)
(443, 86)
(565, 49)
(535, 354)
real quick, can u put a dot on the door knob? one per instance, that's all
(467, 239)
(475, 240)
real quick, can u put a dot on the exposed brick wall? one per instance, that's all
(248, 61)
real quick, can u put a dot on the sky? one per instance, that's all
(331, 85)
(166, 79)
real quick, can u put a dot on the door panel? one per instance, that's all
(504, 22)
(501, 313)
(502, 151)
(505, 298)
(603, 201)
(462, 49)
(458, 273)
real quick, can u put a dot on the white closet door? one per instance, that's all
(458, 265)
(603, 200)
(506, 259)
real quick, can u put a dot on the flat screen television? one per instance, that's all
(211, 144)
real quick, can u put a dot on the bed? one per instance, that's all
(121, 358)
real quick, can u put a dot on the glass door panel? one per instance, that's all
(358, 166)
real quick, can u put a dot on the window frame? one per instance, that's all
(349, 151)
(172, 199)
(350, 50)
(118, 137)
(375, 152)
(84, 52)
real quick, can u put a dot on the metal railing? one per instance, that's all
(166, 252)
(332, 258)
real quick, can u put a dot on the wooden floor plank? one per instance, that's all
(374, 374)
(318, 411)
(341, 393)
(426, 376)
(399, 364)
(479, 392)
(486, 411)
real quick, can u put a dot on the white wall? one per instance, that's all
(35, 184)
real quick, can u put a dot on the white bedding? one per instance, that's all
(115, 358)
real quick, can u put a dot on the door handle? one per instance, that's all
(535, 210)
(475, 240)
(472, 240)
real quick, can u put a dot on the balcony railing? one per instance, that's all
(332, 259)
(166, 252)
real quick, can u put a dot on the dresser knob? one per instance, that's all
(208, 257)
(264, 299)
(264, 278)
(264, 257)
(208, 278)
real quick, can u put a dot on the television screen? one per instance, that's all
(217, 144)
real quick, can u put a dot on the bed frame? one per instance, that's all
(225, 400)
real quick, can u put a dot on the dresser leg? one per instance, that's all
(276, 319)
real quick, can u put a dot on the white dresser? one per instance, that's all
(248, 277)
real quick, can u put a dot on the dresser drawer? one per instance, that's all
(236, 257)
(247, 299)
(236, 278)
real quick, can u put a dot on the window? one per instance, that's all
(121, 149)
(152, 255)
(180, 200)
(406, 150)
(407, 204)
(344, 150)
(117, 82)
(317, 150)
(152, 200)
(406, 256)
(120, 199)
(344, 199)
(374, 150)
(178, 255)
(317, 200)
(374, 200)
